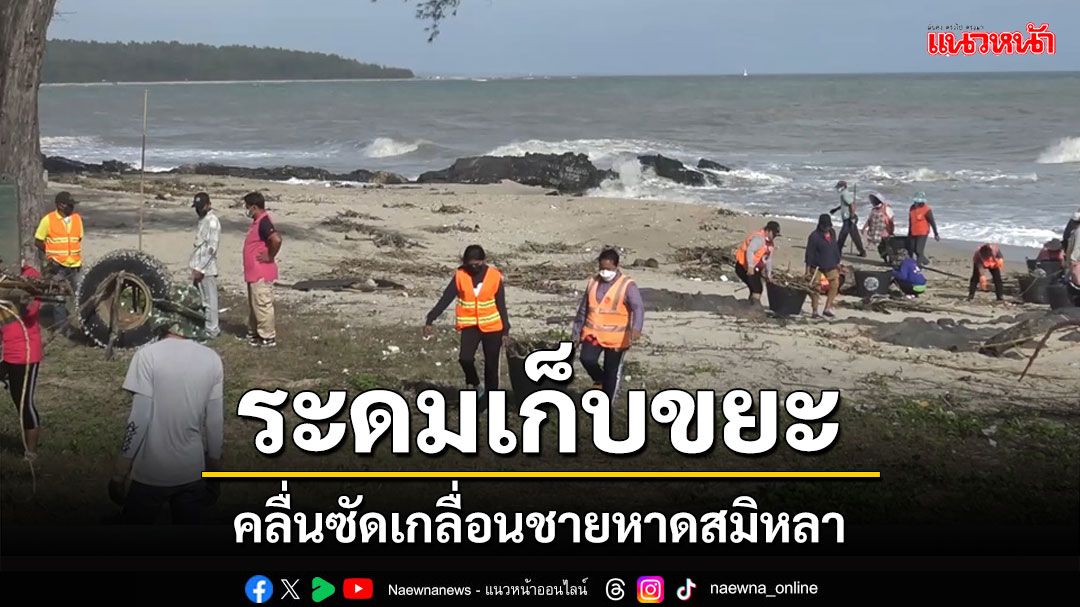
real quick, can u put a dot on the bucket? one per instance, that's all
(785, 301)
(1058, 296)
(893, 249)
(872, 283)
(1035, 289)
(520, 382)
(1050, 268)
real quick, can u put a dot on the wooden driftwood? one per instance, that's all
(1028, 330)
(1042, 343)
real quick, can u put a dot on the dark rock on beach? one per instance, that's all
(567, 173)
(711, 165)
(384, 178)
(284, 173)
(58, 165)
(672, 169)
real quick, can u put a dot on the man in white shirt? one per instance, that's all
(203, 263)
(176, 427)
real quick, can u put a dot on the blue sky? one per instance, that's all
(559, 37)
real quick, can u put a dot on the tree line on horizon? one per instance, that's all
(86, 61)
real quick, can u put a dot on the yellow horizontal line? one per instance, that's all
(659, 474)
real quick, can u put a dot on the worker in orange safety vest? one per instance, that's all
(480, 316)
(987, 257)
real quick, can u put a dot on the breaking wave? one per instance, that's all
(1066, 150)
(385, 147)
(877, 174)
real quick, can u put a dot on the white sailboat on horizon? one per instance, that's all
(745, 73)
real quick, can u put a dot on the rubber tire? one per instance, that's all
(148, 269)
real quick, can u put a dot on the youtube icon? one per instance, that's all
(358, 588)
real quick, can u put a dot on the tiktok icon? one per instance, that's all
(686, 590)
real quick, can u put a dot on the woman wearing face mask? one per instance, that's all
(481, 316)
(609, 319)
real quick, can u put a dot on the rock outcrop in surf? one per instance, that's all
(567, 173)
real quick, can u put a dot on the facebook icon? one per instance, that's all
(259, 589)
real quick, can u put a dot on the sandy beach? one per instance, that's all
(547, 245)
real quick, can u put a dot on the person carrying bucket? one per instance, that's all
(481, 316)
(609, 320)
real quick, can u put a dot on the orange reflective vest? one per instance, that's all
(995, 261)
(478, 309)
(607, 322)
(63, 244)
(759, 255)
(918, 224)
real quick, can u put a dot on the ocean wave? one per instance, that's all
(385, 147)
(877, 174)
(755, 177)
(598, 150)
(1066, 150)
(1000, 233)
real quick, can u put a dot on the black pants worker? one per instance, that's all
(607, 375)
(995, 273)
(471, 339)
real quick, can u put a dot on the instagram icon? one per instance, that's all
(650, 589)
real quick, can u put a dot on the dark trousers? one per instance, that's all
(16, 374)
(851, 228)
(999, 288)
(752, 282)
(144, 503)
(609, 374)
(917, 247)
(59, 313)
(471, 338)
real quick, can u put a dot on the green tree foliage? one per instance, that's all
(80, 61)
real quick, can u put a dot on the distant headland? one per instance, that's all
(84, 61)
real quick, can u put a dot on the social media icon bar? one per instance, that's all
(650, 589)
(358, 588)
(259, 589)
(321, 590)
(686, 590)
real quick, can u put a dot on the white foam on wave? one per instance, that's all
(385, 147)
(752, 176)
(877, 174)
(1066, 150)
(999, 233)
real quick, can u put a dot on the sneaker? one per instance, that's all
(254, 341)
(268, 343)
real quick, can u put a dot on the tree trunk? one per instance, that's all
(23, 24)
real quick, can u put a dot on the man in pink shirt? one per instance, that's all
(260, 271)
(21, 357)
